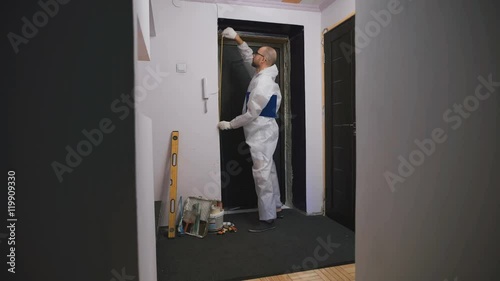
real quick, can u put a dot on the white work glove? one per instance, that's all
(224, 125)
(229, 33)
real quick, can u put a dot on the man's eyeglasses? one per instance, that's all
(257, 53)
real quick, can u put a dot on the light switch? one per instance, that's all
(181, 68)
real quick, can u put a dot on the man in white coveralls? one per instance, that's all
(260, 109)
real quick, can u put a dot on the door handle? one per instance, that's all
(352, 125)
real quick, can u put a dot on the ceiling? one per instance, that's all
(304, 5)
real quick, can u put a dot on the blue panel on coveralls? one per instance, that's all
(270, 109)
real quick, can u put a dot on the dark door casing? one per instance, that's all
(290, 158)
(340, 124)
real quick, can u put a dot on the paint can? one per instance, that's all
(215, 221)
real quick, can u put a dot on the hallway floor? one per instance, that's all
(298, 244)
(336, 273)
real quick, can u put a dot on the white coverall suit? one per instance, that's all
(261, 130)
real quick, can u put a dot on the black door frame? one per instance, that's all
(296, 185)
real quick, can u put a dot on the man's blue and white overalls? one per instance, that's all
(260, 109)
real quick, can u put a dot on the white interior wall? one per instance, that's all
(145, 198)
(188, 34)
(146, 239)
(336, 12)
(184, 35)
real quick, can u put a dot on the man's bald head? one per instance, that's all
(270, 54)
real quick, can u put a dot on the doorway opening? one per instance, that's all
(340, 124)
(238, 190)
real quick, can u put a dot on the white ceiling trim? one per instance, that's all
(311, 6)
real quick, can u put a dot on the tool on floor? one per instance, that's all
(180, 229)
(196, 215)
(188, 218)
(173, 184)
(163, 216)
(196, 211)
(220, 73)
(228, 227)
